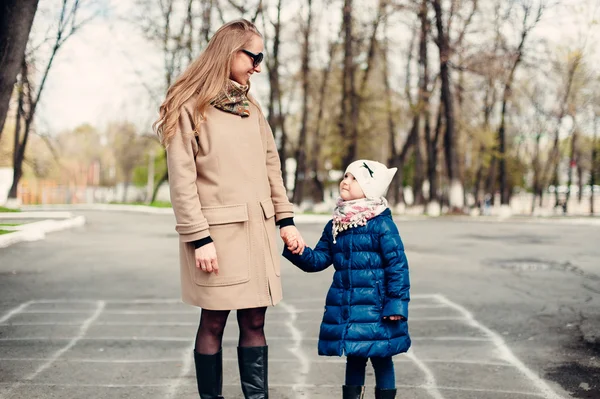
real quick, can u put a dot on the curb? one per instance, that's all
(35, 215)
(102, 207)
(36, 210)
(37, 231)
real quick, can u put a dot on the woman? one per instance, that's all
(227, 193)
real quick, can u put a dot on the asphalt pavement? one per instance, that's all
(499, 310)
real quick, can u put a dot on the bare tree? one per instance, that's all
(129, 150)
(300, 174)
(275, 114)
(594, 165)
(554, 158)
(527, 26)
(450, 145)
(394, 195)
(349, 102)
(16, 20)
(573, 161)
(318, 191)
(68, 25)
(176, 36)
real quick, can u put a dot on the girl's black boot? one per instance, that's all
(385, 393)
(353, 392)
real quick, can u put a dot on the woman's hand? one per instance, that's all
(292, 239)
(206, 258)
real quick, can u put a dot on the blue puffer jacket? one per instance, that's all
(370, 281)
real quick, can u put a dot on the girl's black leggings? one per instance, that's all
(385, 377)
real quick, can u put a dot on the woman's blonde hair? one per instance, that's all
(206, 76)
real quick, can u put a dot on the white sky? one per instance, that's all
(100, 73)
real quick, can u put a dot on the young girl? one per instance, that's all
(366, 308)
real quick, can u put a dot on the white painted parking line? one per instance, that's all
(12, 312)
(503, 391)
(287, 314)
(273, 385)
(429, 385)
(296, 348)
(190, 324)
(226, 339)
(503, 349)
(122, 312)
(186, 359)
(66, 300)
(82, 331)
(320, 360)
(292, 301)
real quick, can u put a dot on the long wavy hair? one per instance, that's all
(205, 77)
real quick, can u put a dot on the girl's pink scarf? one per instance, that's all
(348, 214)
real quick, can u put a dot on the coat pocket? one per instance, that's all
(271, 234)
(380, 295)
(229, 230)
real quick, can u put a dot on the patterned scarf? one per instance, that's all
(348, 214)
(233, 99)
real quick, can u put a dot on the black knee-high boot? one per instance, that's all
(209, 375)
(254, 370)
(353, 391)
(385, 393)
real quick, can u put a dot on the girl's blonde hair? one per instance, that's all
(205, 77)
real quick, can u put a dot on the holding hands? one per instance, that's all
(393, 318)
(293, 239)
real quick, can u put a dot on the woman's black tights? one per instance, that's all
(212, 324)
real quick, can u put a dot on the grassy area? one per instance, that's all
(156, 204)
(9, 224)
(5, 232)
(3, 209)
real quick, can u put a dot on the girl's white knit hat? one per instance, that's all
(373, 177)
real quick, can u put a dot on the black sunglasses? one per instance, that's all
(256, 58)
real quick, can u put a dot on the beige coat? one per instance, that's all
(226, 182)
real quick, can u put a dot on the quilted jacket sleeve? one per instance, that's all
(396, 270)
(314, 260)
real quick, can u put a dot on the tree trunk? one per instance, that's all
(300, 174)
(450, 141)
(536, 172)
(395, 194)
(207, 7)
(66, 28)
(16, 20)
(275, 114)
(593, 166)
(432, 154)
(572, 164)
(125, 189)
(163, 178)
(579, 182)
(318, 191)
(349, 114)
(423, 111)
(504, 195)
(17, 162)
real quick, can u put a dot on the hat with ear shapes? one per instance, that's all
(373, 177)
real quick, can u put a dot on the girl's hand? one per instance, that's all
(292, 239)
(206, 258)
(394, 318)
